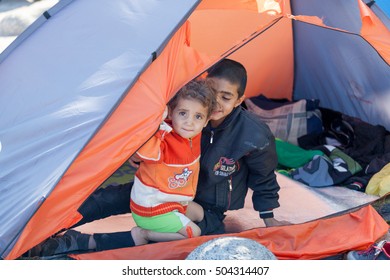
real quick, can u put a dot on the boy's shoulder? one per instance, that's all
(251, 132)
(252, 121)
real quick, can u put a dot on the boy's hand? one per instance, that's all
(271, 222)
(134, 161)
(165, 114)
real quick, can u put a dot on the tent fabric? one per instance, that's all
(56, 125)
(382, 9)
(373, 30)
(113, 65)
(270, 71)
(292, 244)
(356, 80)
(92, 167)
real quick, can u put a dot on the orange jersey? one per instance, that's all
(168, 175)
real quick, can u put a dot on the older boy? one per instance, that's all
(238, 152)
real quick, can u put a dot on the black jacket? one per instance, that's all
(238, 154)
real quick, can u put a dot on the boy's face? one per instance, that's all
(227, 99)
(188, 118)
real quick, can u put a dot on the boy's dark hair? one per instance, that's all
(199, 90)
(232, 71)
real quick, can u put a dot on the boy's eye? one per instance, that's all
(182, 114)
(199, 117)
(225, 97)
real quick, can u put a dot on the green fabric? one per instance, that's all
(353, 166)
(169, 222)
(284, 172)
(292, 156)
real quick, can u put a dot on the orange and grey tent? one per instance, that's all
(85, 86)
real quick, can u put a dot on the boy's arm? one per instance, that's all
(153, 149)
(135, 159)
(271, 222)
(262, 179)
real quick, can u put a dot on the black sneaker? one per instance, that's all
(71, 241)
(379, 251)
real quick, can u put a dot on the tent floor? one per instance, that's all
(299, 204)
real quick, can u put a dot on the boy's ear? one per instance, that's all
(239, 101)
(206, 122)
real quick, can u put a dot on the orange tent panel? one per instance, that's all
(311, 240)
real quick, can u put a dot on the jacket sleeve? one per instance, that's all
(153, 149)
(262, 163)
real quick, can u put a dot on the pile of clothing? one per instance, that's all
(338, 150)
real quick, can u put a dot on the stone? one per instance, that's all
(231, 248)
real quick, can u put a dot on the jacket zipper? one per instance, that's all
(230, 181)
(212, 136)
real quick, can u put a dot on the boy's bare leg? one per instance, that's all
(143, 236)
(194, 212)
(91, 243)
(139, 236)
(190, 230)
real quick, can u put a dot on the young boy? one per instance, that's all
(165, 183)
(238, 152)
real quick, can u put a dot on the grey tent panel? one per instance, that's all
(58, 85)
(342, 70)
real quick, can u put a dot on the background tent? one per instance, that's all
(113, 65)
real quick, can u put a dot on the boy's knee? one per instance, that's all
(193, 231)
(196, 231)
(212, 223)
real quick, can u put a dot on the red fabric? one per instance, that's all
(157, 210)
(313, 240)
